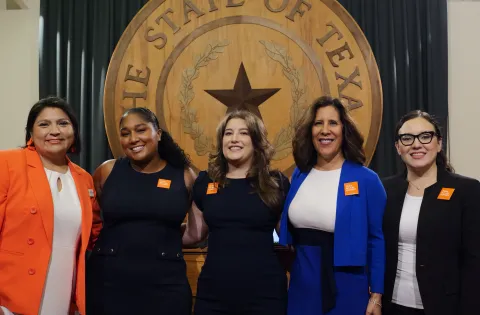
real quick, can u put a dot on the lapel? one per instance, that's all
(83, 191)
(428, 208)
(396, 197)
(297, 179)
(285, 238)
(41, 190)
(43, 195)
(347, 174)
(85, 195)
(342, 200)
(345, 230)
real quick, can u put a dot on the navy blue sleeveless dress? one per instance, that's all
(137, 266)
(242, 274)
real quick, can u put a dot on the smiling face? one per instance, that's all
(327, 133)
(139, 138)
(52, 133)
(418, 155)
(237, 146)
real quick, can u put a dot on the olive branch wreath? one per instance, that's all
(283, 139)
(203, 144)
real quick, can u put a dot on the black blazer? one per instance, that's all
(448, 244)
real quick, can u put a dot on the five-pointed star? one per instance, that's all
(243, 96)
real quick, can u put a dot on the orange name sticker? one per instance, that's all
(212, 188)
(351, 188)
(164, 183)
(446, 193)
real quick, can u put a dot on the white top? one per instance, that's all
(315, 204)
(405, 291)
(57, 294)
(59, 284)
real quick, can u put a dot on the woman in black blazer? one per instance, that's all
(431, 228)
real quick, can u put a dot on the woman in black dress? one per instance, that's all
(240, 200)
(137, 266)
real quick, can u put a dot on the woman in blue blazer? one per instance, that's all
(333, 216)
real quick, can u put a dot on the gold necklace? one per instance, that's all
(418, 188)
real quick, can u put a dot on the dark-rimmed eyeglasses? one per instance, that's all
(424, 137)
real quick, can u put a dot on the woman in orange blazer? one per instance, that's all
(46, 217)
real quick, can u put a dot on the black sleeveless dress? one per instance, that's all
(137, 266)
(242, 274)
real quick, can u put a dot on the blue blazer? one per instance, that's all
(358, 237)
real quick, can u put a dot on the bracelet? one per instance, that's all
(374, 302)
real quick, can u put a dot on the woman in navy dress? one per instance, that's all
(240, 200)
(137, 266)
(333, 217)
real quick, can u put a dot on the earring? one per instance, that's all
(72, 149)
(30, 143)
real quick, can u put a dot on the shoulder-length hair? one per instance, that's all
(304, 152)
(262, 181)
(168, 149)
(54, 102)
(441, 160)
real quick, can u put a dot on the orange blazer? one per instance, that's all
(26, 230)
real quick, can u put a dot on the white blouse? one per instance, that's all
(59, 284)
(315, 204)
(406, 291)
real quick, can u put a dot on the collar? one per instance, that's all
(442, 175)
(33, 160)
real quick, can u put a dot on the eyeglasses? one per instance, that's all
(424, 137)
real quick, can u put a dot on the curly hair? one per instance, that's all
(304, 152)
(168, 149)
(441, 160)
(261, 179)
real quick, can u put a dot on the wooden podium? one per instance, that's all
(194, 258)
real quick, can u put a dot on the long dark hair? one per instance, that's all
(304, 152)
(261, 179)
(168, 149)
(441, 160)
(54, 102)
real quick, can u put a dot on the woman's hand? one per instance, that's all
(374, 306)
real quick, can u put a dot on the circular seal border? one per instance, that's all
(337, 8)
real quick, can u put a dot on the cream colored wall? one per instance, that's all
(464, 86)
(18, 70)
